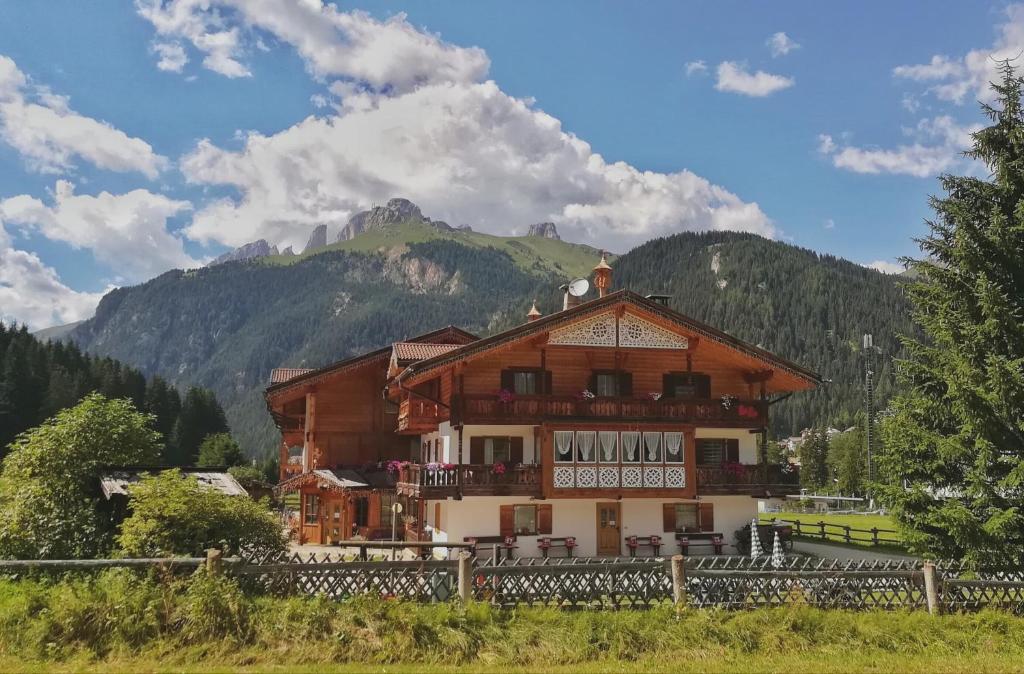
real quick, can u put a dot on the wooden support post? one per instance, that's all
(931, 588)
(214, 557)
(465, 576)
(874, 535)
(679, 581)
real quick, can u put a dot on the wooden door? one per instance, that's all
(334, 521)
(609, 526)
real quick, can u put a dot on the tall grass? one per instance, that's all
(121, 617)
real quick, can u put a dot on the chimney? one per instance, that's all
(568, 300)
(603, 275)
(659, 299)
(534, 313)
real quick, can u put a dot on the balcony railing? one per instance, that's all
(488, 409)
(474, 480)
(417, 414)
(758, 479)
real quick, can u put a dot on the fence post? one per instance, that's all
(822, 525)
(874, 536)
(931, 588)
(679, 581)
(847, 532)
(465, 577)
(214, 556)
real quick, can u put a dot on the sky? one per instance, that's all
(141, 137)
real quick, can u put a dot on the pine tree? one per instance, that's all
(954, 441)
(814, 472)
(201, 415)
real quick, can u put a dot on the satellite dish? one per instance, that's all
(579, 287)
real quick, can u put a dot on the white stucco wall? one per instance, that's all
(747, 440)
(480, 516)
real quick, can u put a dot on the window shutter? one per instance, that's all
(508, 381)
(625, 384)
(707, 516)
(544, 518)
(508, 520)
(476, 450)
(547, 382)
(592, 385)
(702, 385)
(668, 515)
(732, 450)
(668, 381)
(516, 450)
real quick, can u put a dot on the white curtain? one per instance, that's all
(608, 441)
(488, 450)
(674, 447)
(652, 442)
(585, 441)
(563, 445)
(630, 445)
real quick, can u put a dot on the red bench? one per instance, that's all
(545, 544)
(715, 541)
(633, 542)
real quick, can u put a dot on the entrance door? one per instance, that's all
(609, 525)
(334, 525)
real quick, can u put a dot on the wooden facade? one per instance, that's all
(603, 401)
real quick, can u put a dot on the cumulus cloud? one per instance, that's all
(464, 153)
(781, 44)
(696, 68)
(734, 78)
(127, 232)
(44, 130)
(172, 56)
(390, 54)
(886, 267)
(939, 147)
(32, 293)
(952, 79)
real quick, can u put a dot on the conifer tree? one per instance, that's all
(954, 441)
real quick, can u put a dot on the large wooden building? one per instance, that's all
(612, 418)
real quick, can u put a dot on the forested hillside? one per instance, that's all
(227, 326)
(813, 309)
(40, 378)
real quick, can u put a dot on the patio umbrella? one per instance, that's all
(778, 556)
(755, 541)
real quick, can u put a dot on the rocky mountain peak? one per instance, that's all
(544, 229)
(395, 211)
(249, 251)
(318, 239)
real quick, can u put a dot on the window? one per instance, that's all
(361, 516)
(687, 517)
(496, 449)
(526, 381)
(525, 520)
(686, 385)
(715, 451)
(607, 385)
(386, 514)
(312, 511)
(563, 446)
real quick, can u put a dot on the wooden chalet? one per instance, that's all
(613, 418)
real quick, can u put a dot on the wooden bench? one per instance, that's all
(713, 540)
(633, 542)
(547, 543)
(499, 543)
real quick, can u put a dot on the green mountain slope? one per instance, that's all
(227, 326)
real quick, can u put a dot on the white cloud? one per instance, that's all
(952, 79)
(781, 44)
(172, 56)
(50, 136)
(940, 142)
(735, 78)
(390, 54)
(466, 153)
(829, 224)
(696, 68)
(32, 293)
(886, 267)
(127, 232)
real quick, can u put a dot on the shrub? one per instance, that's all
(219, 449)
(173, 514)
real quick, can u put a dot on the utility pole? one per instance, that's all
(869, 401)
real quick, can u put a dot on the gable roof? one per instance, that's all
(282, 374)
(409, 351)
(551, 321)
(384, 353)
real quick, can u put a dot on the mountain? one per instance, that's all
(317, 240)
(380, 217)
(56, 332)
(249, 251)
(227, 326)
(544, 229)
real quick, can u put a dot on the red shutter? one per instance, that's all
(507, 520)
(707, 516)
(508, 381)
(732, 450)
(516, 451)
(625, 384)
(544, 518)
(476, 450)
(668, 515)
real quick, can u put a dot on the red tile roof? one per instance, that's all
(418, 350)
(282, 374)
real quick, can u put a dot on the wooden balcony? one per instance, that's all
(435, 481)
(487, 409)
(419, 415)
(753, 480)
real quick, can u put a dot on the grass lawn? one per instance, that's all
(808, 522)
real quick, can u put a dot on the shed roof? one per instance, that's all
(115, 482)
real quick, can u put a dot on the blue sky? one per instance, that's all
(138, 138)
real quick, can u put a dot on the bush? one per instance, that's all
(219, 449)
(173, 514)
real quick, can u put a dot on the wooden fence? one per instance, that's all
(701, 582)
(842, 533)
